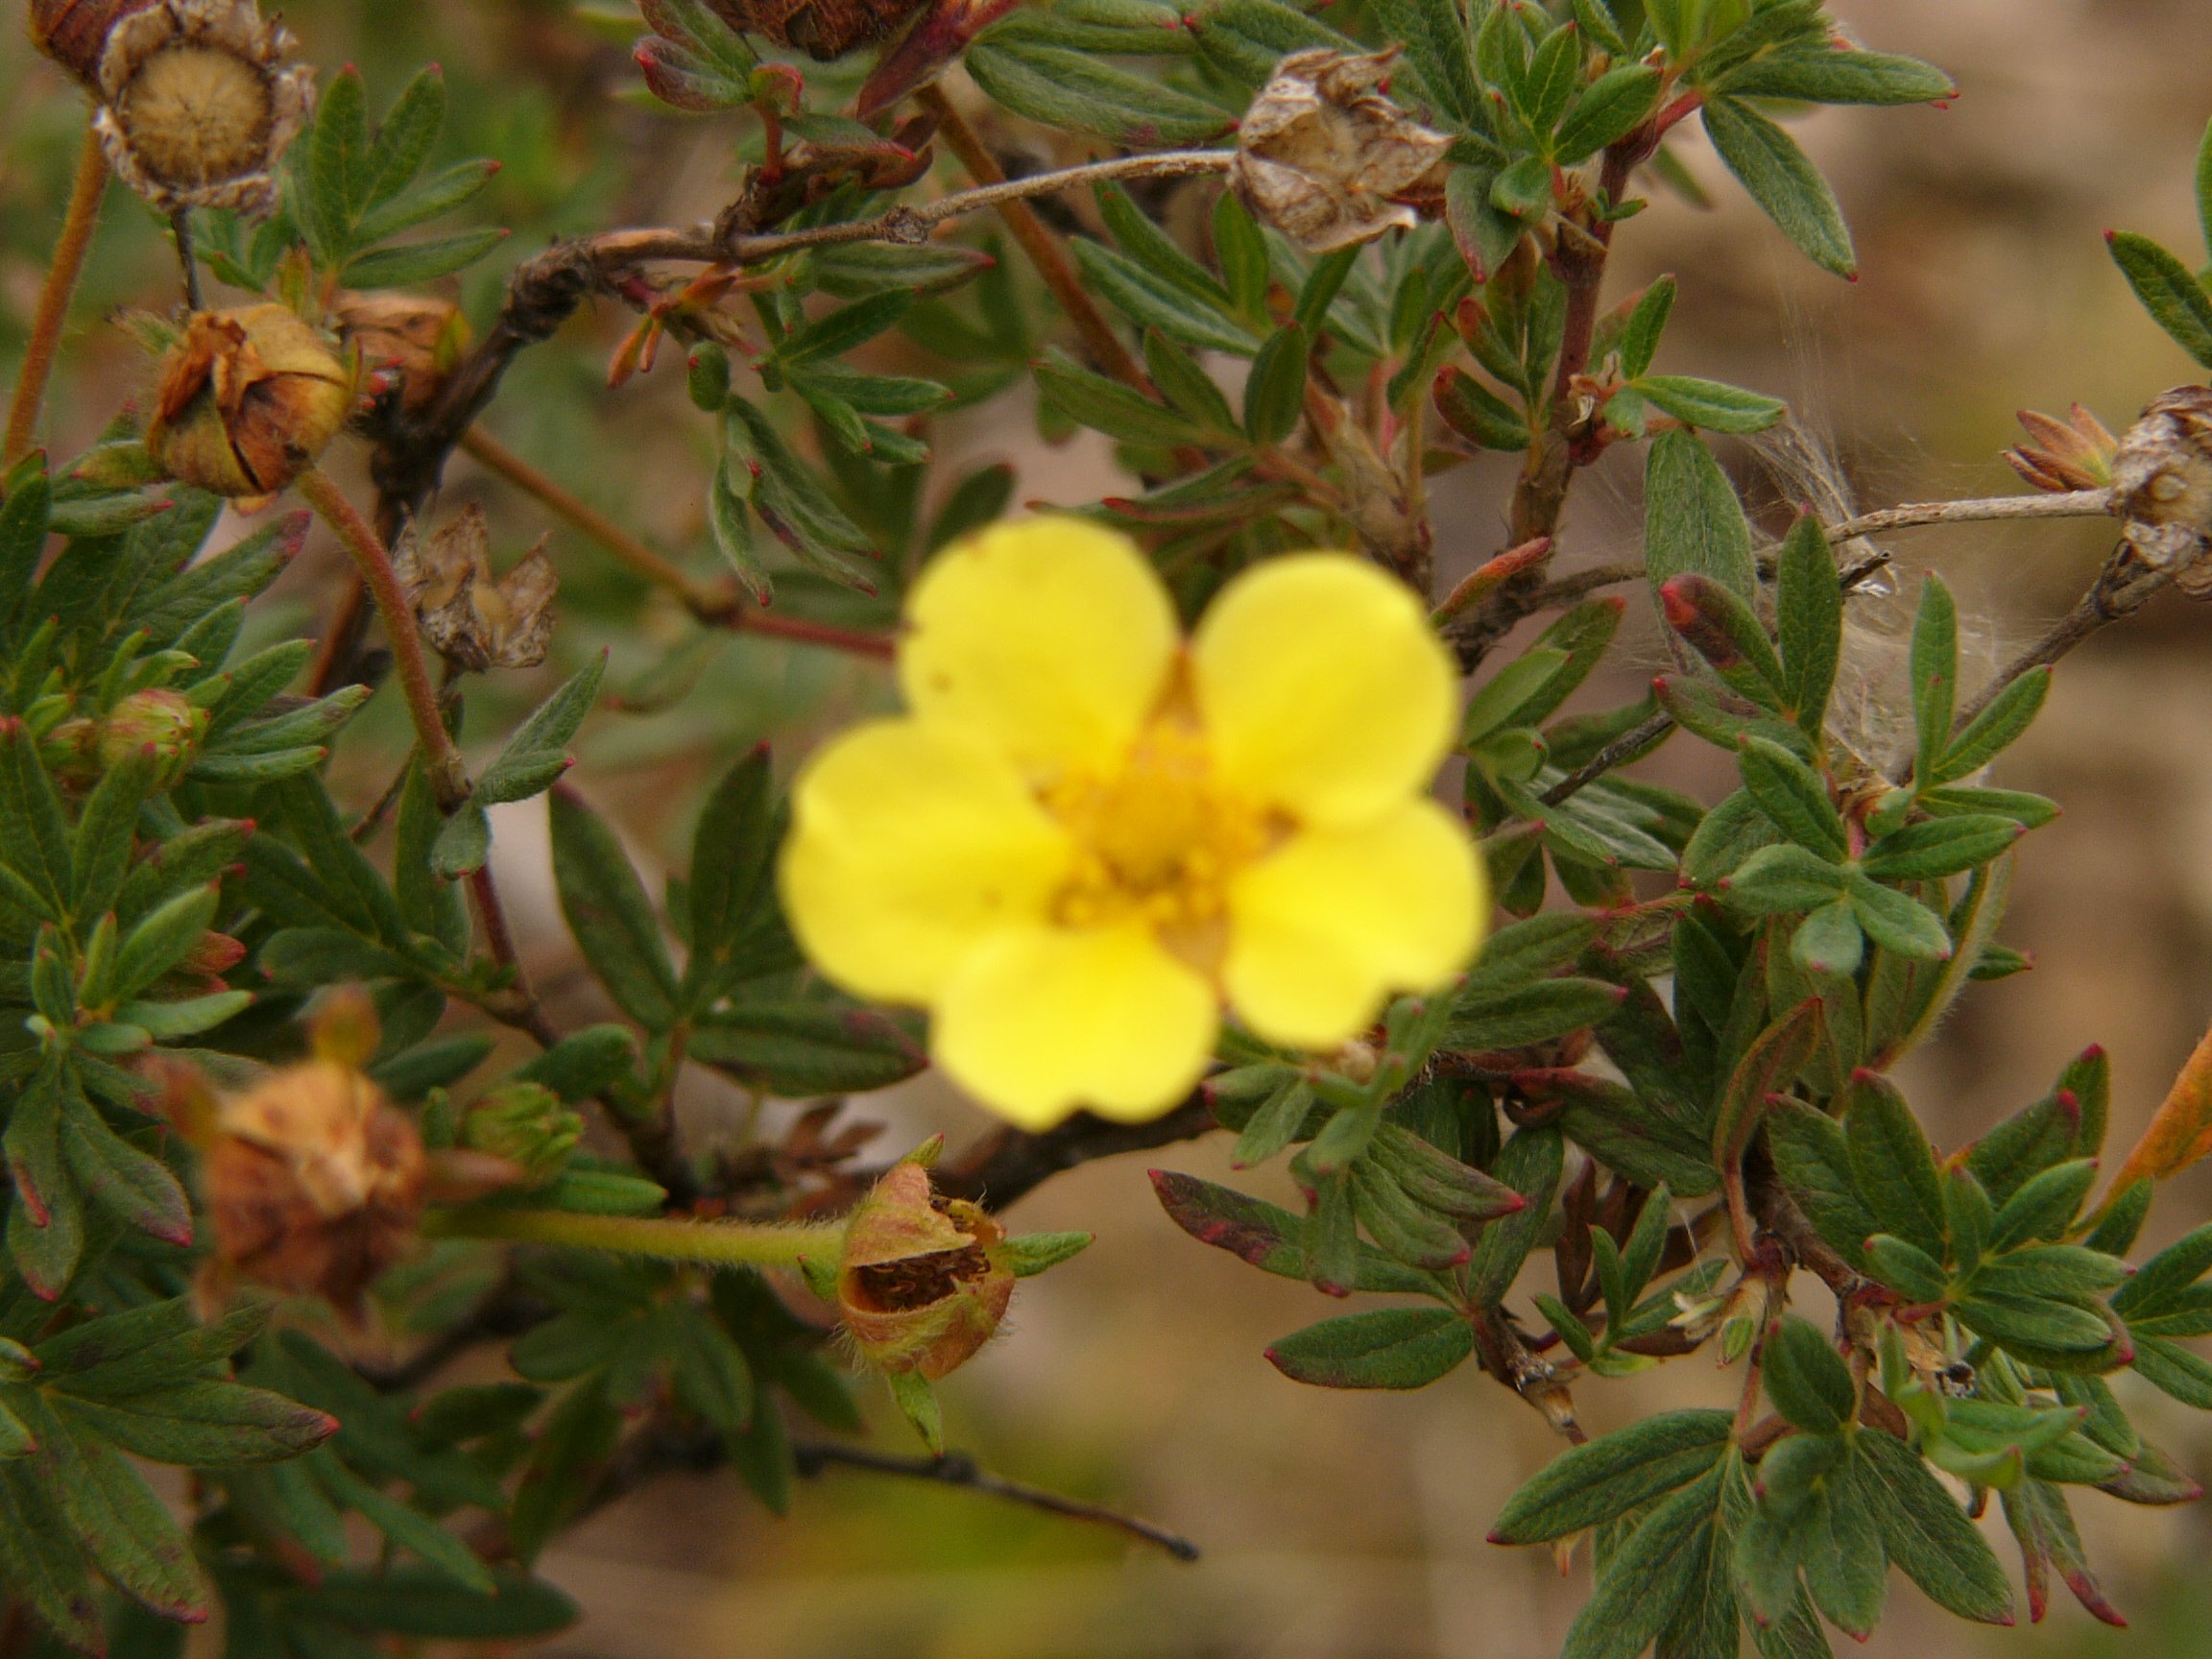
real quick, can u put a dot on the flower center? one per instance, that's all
(1158, 838)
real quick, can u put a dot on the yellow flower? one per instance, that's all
(1089, 834)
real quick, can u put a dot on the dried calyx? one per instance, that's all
(247, 400)
(2162, 480)
(198, 98)
(923, 1282)
(472, 621)
(408, 345)
(1327, 158)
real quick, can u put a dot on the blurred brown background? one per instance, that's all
(1343, 1526)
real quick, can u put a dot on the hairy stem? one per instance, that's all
(722, 607)
(448, 775)
(709, 1243)
(53, 312)
(2069, 504)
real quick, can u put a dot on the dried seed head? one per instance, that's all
(1328, 160)
(2162, 473)
(922, 1283)
(2071, 454)
(409, 342)
(74, 33)
(314, 1182)
(247, 400)
(198, 99)
(822, 29)
(474, 622)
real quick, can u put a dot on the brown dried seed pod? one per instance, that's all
(74, 33)
(314, 1182)
(198, 99)
(247, 398)
(920, 1284)
(471, 620)
(1328, 159)
(2162, 473)
(413, 341)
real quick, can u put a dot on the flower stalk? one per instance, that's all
(706, 1243)
(448, 774)
(53, 313)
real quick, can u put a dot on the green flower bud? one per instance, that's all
(524, 1123)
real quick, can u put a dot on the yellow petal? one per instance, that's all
(1325, 927)
(1046, 1021)
(1322, 689)
(1050, 637)
(910, 844)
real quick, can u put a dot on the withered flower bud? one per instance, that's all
(2163, 474)
(198, 99)
(473, 621)
(74, 33)
(922, 1283)
(1328, 160)
(526, 1124)
(247, 400)
(2071, 454)
(822, 29)
(314, 1180)
(412, 341)
(81, 750)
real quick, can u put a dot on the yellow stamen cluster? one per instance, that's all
(1157, 839)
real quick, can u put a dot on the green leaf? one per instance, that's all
(1897, 921)
(1927, 1534)
(203, 1424)
(1530, 1163)
(2177, 301)
(1828, 942)
(1996, 728)
(841, 330)
(1069, 90)
(1650, 1576)
(1609, 108)
(1535, 1013)
(536, 753)
(1806, 1379)
(421, 261)
(42, 1563)
(802, 1048)
(135, 1188)
(34, 832)
(1613, 1475)
(123, 1526)
(160, 942)
(1709, 405)
(1693, 523)
(1769, 1067)
(1935, 664)
(1647, 321)
(1940, 847)
(1827, 75)
(1478, 414)
(1813, 1158)
(1783, 877)
(1269, 1237)
(419, 1601)
(1275, 392)
(1767, 163)
(610, 914)
(1108, 406)
(404, 1526)
(1390, 1348)
(1184, 383)
(1796, 797)
(1892, 1163)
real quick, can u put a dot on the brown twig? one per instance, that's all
(722, 607)
(960, 1469)
(53, 312)
(441, 761)
(2124, 588)
(1008, 1163)
(2068, 504)
(1039, 243)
